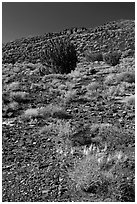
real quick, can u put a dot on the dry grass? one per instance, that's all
(101, 174)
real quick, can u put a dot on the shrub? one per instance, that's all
(113, 91)
(92, 57)
(110, 79)
(126, 77)
(19, 96)
(93, 86)
(14, 86)
(69, 96)
(31, 113)
(105, 174)
(112, 58)
(13, 106)
(129, 100)
(61, 55)
(54, 111)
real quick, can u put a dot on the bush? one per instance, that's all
(106, 175)
(110, 79)
(112, 58)
(92, 57)
(129, 100)
(60, 55)
(31, 113)
(14, 86)
(93, 86)
(126, 77)
(19, 96)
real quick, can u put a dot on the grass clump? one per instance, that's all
(112, 58)
(60, 54)
(105, 175)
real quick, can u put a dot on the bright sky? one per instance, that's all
(23, 19)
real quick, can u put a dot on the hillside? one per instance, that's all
(117, 35)
(69, 137)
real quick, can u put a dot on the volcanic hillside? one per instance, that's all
(70, 137)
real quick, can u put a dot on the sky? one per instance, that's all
(24, 19)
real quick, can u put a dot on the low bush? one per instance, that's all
(105, 175)
(13, 106)
(60, 55)
(54, 111)
(14, 86)
(112, 58)
(129, 100)
(110, 79)
(126, 77)
(93, 86)
(31, 113)
(19, 96)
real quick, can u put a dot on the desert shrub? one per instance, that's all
(92, 57)
(88, 177)
(126, 77)
(31, 113)
(69, 96)
(113, 91)
(128, 53)
(13, 106)
(54, 111)
(129, 100)
(105, 175)
(93, 86)
(60, 54)
(110, 79)
(112, 58)
(19, 96)
(14, 86)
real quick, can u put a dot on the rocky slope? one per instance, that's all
(117, 35)
(71, 137)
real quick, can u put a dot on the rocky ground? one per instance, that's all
(71, 137)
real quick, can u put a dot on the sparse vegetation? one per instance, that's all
(92, 57)
(60, 54)
(112, 58)
(126, 77)
(129, 100)
(68, 128)
(19, 96)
